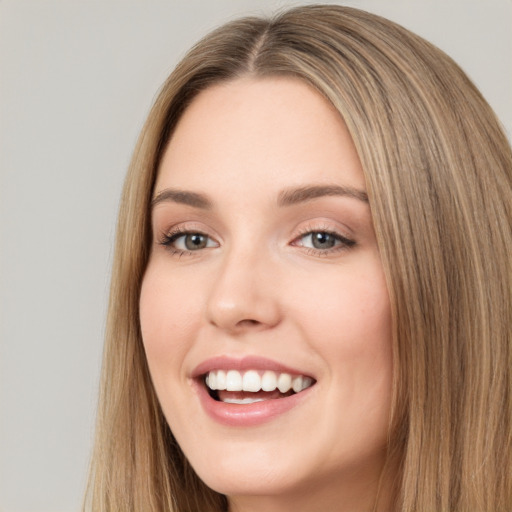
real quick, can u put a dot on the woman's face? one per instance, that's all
(265, 272)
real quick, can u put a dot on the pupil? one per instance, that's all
(195, 241)
(323, 241)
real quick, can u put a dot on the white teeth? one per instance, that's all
(242, 400)
(269, 381)
(306, 382)
(284, 382)
(300, 383)
(221, 380)
(252, 381)
(212, 380)
(297, 384)
(233, 381)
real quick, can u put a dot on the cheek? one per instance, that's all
(352, 307)
(167, 317)
(348, 320)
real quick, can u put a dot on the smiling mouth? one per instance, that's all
(234, 387)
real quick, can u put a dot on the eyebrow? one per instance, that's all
(182, 197)
(303, 194)
(287, 197)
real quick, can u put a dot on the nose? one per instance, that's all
(244, 295)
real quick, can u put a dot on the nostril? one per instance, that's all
(248, 323)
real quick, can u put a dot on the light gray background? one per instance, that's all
(76, 81)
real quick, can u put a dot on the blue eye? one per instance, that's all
(188, 241)
(324, 241)
(320, 240)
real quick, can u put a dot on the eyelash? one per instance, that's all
(344, 242)
(168, 240)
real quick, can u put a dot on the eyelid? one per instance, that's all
(185, 227)
(169, 236)
(324, 225)
(346, 241)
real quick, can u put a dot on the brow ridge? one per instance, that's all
(286, 197)
(307, 193)
(182, 197)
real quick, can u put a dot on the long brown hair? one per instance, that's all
(438, 170)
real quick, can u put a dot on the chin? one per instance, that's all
(252, 480)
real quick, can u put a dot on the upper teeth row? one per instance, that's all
(233, 380)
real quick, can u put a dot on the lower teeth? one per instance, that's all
(242, 400)
(239, 398)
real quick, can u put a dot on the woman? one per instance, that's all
(311, 297)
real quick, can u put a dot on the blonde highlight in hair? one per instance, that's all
(438, 170)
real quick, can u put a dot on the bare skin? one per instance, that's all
(264, 247)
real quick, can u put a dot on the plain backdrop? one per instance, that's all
(76, 81)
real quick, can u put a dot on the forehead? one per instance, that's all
(249, 132)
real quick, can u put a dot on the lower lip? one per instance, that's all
(247, 415)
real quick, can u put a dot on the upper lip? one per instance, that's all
(244, 364)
